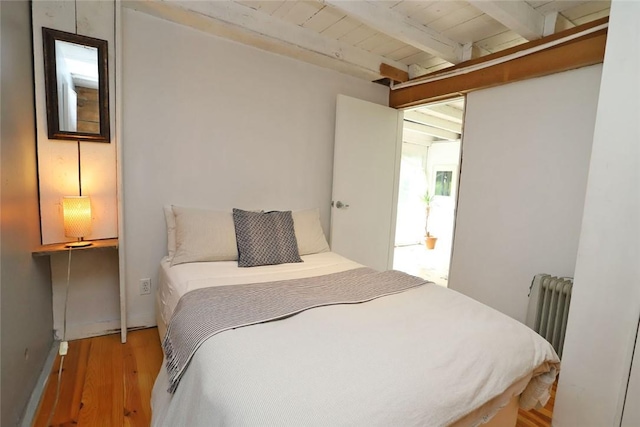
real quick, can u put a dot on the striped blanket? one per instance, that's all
(203, 313)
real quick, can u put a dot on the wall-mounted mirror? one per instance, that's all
(76, 81)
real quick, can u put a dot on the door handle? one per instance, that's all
(341, 205)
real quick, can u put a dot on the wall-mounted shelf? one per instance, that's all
(60, 247)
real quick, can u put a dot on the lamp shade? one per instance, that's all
(77, 216)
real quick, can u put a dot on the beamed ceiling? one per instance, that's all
(407, 38)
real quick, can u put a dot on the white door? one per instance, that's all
(365, 181)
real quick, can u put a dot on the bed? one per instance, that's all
(424, 355)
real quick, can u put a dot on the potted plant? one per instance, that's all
(430, 241)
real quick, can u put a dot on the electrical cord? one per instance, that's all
(55, 402)
(63, 344)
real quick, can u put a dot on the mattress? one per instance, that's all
(427, 356)
(177, 280)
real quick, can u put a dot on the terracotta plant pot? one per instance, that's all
(430, 242)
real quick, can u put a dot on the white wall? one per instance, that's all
(25, 282)
(58, 159)
(95, 312)
(93, 304)
(525, 157)
(212, 123)
(605, 306)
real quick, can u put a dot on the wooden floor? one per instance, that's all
(541, 417)
(106, 383)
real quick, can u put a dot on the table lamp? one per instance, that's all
(77, 219)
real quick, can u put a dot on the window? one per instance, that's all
(443, 183)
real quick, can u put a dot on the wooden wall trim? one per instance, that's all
(577, 53)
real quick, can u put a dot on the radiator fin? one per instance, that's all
(549, 300)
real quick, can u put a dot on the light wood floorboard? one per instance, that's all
(106, 383)
(539, 417)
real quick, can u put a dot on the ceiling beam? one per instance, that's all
(580, 52)
(394, 24)
(437, 122)
(445, 112)
(516, 15)
(430, 130)
(393, 73)
(417, 138)
(243, 24)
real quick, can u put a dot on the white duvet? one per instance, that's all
(425, 357)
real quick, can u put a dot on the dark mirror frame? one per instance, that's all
(49, 37)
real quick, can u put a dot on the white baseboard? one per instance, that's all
(76, 331)
(41, 384)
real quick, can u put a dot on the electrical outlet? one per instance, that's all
(145, 286)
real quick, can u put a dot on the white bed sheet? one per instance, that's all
(178, 280)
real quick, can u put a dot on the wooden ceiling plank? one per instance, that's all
(402, 53)
(583, 9)
(340, 28)
(267, 7)
(358, 35)
(390, 46)
(302, 11)
(246, 25)
(429, 63)
(508, 37)
(284, 9)
(516, 15)
(592, 17)
(437, 10)
(374, 41)
(409, 8)
(558, 6)
(417, 70)
(506, 45)
(324, 19)
(478, 28)
(420, 58)
(455, 18)
(400, 27)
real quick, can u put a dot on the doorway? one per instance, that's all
(428, 188)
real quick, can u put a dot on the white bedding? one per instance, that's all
(428, 356)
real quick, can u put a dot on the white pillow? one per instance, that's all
(311, 239)
(170, 219)
(203, 235)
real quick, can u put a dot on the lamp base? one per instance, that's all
(79, 244)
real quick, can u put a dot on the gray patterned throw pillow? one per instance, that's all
(265, 238)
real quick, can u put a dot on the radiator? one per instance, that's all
(549, 299)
